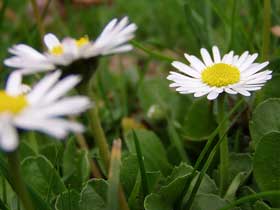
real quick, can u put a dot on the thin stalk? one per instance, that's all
(37, 15)
(141, 165)
(19, 185)
(266, 29)
(224, 151)
(151, 52)
(99, 137)
(250, 198)
(83, 144)
(4, 190)
(205, 151)
(189, 203)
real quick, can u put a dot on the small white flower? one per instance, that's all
(231, 74)
(42, 109)
(113, 39)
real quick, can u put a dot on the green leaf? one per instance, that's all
(259, 205)
(75, 166)
(270, 90)
(94, 195)
(155, 157)
(267, 164)
(265, 119)
(68, 200)
(129, 171)
(42, 177)
(207, 202)
(169, 193)
(155, 202)
(200, 121)
(239, 162)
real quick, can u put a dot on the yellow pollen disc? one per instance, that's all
(57, 50)
(82, 41)
(220, 75)
(12, 104)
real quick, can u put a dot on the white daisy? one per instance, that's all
(113, 39)
(231, 74)
(41, 109)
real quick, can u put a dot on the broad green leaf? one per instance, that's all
(53, 152)
(200, 121)
(270, 90)
(128, 174)
(39, 173)
(75, 165)
(267, 164)
(68, 200)
(155, 157)
(94, 195)
(173, 187)
(155, 202)
(265, 119)
(207, 202)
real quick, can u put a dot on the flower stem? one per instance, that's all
(224, 153)
(19, 185)
(99, 137)
(266, 29)
(39, 21)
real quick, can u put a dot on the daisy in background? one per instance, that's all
(231, 74)
(41, 109)
(113, 39)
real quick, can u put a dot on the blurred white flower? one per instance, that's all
(231, 74)
(42, 109)
(113, 39)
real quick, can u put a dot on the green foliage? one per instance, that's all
(267, 164)
(265, 119)
(174, 127)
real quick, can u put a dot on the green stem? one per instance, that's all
(141, 165)
(224, 152)
(19, 186)
(266, 29)
(205, 151)
(37, 15)
(211, 156)
(151, 52)
(99, 136)
(4, 190)
(250, 198)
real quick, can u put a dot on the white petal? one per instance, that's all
(195, 62)
(51, 41)
(61, 88)
(66, 106)
(212, 95)
(14, 84)
(186, 69)
(216, 54)
(43, 86)
(8, 136)
(248, 62)
(206, 57)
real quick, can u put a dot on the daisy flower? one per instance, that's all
(41, 109)
(211, 76)
(113, 39)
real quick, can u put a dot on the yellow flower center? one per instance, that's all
(12, 104)
(82, 41)
(220, 75)
(57, 50)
